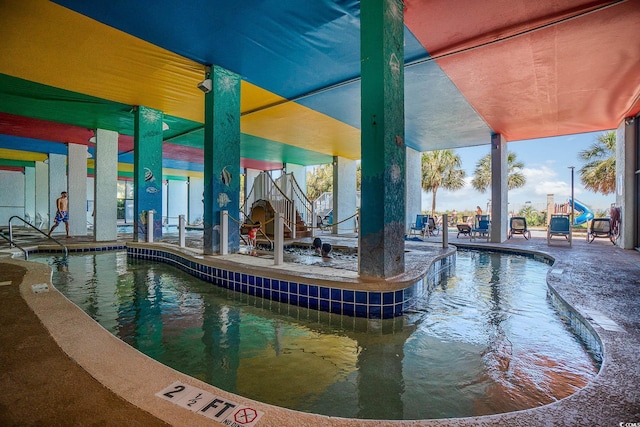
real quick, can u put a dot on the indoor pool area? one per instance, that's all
(485, 339)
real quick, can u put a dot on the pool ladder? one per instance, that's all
(12, 241)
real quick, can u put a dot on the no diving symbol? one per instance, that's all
(245, 416)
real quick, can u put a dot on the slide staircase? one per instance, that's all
(268, 198)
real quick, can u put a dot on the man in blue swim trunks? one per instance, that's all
(62, 214)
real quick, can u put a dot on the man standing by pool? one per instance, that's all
(62, 213)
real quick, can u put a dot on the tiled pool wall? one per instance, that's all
(580, 327)
(117, 247)
(367, 304)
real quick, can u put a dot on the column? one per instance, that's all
(177, 200)
(30, 192)
(57, 184)
(77, 188)
(42, 195)
(344, 195)
(147, 172)
(413, 184)
(382, 139)
(499, 188)
(628, 181)
(221, 158)
(196, 204)
(105, 186)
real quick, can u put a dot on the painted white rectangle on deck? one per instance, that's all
(603, 321)
(209, 405)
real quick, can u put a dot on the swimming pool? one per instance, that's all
(485, 340)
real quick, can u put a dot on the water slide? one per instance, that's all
(586, 214)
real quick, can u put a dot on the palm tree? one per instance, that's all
(482, 175)
(441, 168)
(599, 173)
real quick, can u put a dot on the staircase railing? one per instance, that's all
(324, 202)
(24, 251)
(12, 242)
(279, 201)
(302, 204)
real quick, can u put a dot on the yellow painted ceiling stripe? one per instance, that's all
(49, 44)
(321, 133)
(180, 172)
(6, 153)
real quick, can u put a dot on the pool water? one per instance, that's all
(486, 340)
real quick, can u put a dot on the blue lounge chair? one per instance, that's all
(418, 227)
(559, 225)
(518, 225)
(482, 228)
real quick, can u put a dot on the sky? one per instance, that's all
(546, 168)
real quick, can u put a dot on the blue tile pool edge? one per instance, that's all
(344, 301)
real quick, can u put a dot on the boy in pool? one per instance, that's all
(317, 245)
(326, 249)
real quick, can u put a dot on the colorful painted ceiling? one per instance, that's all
(516, 67)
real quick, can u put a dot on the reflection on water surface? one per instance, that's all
(485, 340)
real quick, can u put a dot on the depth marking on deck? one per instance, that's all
(603, 321)
(211, 406)
(5, 283)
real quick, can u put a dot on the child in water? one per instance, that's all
(253, 235)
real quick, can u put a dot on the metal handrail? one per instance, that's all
(26, 254)
(66, 251)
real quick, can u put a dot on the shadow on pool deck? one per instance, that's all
(43, 386)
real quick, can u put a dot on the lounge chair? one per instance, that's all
(600, 227)
(482, 228)
(559, 225)
(518, 225)
(464, 229)
(418, 227)
(432, 227)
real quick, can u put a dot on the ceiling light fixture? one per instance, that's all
(206, 85)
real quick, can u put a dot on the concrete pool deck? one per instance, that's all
(59, 367)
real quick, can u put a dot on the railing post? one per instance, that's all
(445, 231)
(293, 223)
(278, 234)
(181, 230)
(224, 232)
(314, 223)
(150, 225)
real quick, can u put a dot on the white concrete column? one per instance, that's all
(499, 189)
(344, 194)
(42, 194)
(413, 187)
(250, 179)
(196, 204)
(57, 184)
(177, 198)
(106, 186)
(278, 239)
(626, 190)
(77, 189)
(30, 192)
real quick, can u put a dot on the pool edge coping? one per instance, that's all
(55, 311)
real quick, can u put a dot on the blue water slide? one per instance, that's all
(586, 214)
